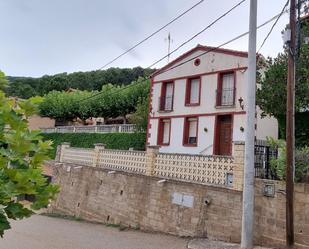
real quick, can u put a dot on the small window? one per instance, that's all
(193, 91)
(164, 131)
(226, 89)
(190, 132)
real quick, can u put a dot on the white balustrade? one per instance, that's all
(117, 128)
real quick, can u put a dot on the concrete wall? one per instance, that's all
(140, 201)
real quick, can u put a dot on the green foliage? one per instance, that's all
(278, 165)
(113, 101)
(22, 154)
(271, 97)
(26, 87)
(121, 141)
(140, 117)
(301, 128)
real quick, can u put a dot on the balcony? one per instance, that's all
(225, 98)
(166, 103)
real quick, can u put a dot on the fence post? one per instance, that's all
(239, 160)
(151, 154)
(63, 146)
(96, 157)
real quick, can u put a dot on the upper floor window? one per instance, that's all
(164, 131)
(166, 98)
(190, 131)
(226, 89)
(193, 91)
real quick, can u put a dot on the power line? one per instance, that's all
(152, 34)
(184, 43)
(191, 59)
(200, 32)
(272, 27)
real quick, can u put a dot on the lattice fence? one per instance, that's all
(133, 161)
(194, 168)
(201, 169)
(78, 156)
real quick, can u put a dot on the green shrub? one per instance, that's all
(120, 141)
(278, 165)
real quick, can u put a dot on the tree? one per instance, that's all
(140, 117)
(67, 106)
(112, 101)
(271, 95)
(25, 87)
(22, 154)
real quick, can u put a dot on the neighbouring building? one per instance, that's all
(198, 103)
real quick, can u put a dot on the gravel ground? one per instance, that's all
(41, 232)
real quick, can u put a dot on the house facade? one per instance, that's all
(198, 103)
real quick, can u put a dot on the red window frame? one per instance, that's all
(163, 95)
(188, 91)
(186, 132)
(161, 131)
(219, 87)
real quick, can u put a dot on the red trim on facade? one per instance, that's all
(215, 139)
(201, 74)
(188, 92)
(201, 115)
(161, 132)
(149, 112)
(197, 62)
(204, 49)
(186, 132)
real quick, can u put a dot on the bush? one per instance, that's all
(278, 165)
(120, 141)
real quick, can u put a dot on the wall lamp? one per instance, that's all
(240, 100)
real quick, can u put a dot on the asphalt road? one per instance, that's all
(41, 232)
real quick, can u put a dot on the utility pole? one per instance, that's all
(290, 129)
(248, 189)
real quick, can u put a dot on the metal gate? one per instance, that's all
(263, 154)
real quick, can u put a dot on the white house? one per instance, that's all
(198, 103)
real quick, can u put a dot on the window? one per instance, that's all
(164, 131)
(166, 99)
(190, 131)
(193, 91)
(226, 90)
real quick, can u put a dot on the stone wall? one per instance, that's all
(147, 203)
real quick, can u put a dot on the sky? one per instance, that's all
(40, 37)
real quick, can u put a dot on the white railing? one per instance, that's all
(121, 128)
(217, 170)
(194, 168)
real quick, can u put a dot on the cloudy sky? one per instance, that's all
(41, 37)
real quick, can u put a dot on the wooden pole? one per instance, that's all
(290, 130)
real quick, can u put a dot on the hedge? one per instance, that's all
(121, 141)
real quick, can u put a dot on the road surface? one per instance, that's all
(41, 232)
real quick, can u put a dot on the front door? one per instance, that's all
(224, 135)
